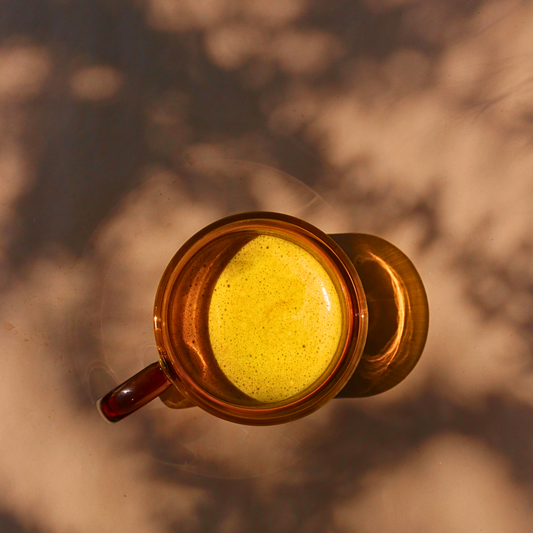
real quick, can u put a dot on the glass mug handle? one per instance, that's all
(134, 393)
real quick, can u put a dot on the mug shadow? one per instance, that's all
(398, 314)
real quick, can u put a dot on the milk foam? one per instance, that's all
(275, 319)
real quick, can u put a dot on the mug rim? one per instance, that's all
(354, 302)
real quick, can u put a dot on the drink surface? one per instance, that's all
(275, 319)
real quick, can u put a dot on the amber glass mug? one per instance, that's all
(180, 321)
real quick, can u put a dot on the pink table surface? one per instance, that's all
(126, 126)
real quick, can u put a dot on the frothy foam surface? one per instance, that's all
(275, 319)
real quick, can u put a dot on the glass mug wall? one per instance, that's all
(260, 318)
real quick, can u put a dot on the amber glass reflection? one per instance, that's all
(398, 314)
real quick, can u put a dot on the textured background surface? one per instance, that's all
(413, 119)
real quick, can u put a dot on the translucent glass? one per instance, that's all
(181, 329)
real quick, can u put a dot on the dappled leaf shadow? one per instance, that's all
(96, 97)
